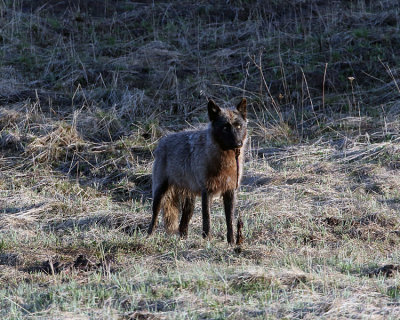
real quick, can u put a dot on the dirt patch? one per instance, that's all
(296, 180)
(51, 266)
(142, 315)
(131, 230)
(388, 270)
(10, 259)
(332, 221)
(81, 263)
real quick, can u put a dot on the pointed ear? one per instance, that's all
(241, 107)
(213, 110)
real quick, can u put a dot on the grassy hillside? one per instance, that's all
(87, 88)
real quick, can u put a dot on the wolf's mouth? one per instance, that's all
(234, 148)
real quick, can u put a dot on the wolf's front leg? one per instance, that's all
(205, 209)
(229, 206)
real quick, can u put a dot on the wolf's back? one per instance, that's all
(181, 158)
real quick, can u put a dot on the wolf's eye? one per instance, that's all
(238, 126)
(225, 128)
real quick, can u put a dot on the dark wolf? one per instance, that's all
(206, 163)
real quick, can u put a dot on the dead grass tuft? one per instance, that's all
(26, 217)
(260, 276)
(10, 141)
(56, 145)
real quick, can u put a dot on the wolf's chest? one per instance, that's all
(222, 174)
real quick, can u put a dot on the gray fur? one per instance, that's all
(182, 166)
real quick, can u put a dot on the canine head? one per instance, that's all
(228, 126)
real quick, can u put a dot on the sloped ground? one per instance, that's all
(86, 91)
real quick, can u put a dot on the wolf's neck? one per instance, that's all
(214, 148)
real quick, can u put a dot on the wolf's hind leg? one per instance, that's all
(157, 198)
(187, 213)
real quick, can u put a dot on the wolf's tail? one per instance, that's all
(171, 205)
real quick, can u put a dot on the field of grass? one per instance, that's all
(87, 88)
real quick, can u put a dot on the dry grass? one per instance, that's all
(88, 88)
